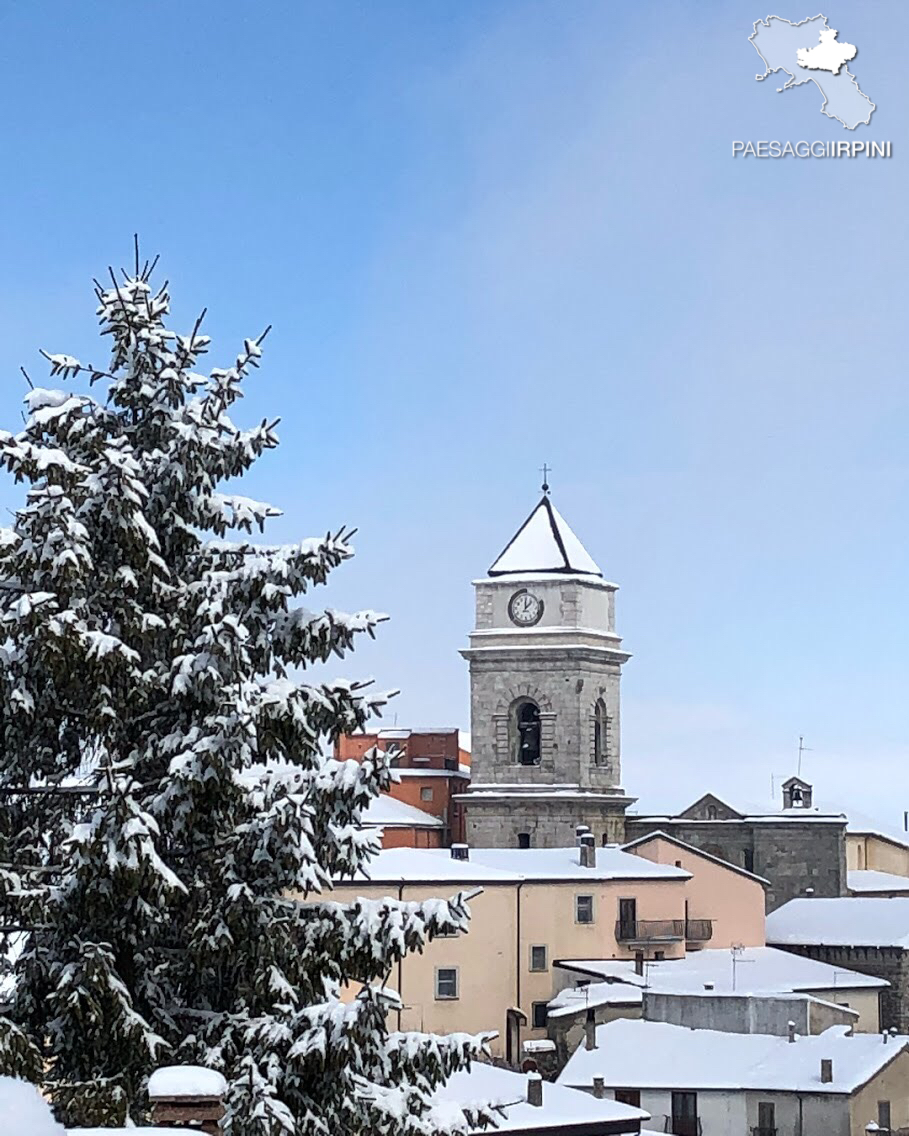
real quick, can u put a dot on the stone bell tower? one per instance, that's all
(545, 663)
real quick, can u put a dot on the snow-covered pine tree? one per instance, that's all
(138, 639)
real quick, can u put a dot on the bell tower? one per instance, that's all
(545, 665)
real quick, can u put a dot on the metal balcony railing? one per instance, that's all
(698, 930)
(683, 1126)
(649, 930)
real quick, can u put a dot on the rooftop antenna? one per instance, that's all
(546, 471)
(802, 749)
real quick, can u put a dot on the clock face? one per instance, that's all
(525, 609)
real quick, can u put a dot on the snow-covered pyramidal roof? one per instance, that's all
(544, 543)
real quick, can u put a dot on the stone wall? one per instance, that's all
(792, 855)
(566, 686)
(890, 963)
(551, 822)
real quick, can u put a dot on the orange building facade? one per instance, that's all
(433, 767)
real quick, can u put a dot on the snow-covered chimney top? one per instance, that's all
(599, 1088)
(791, 1028)
(579, 831)
(535, 1090)
(177, 1081)
(587, 856)
(188, 1096)
(460, 852)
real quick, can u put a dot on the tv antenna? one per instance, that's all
(802, 749)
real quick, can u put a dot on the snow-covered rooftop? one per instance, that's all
(848, 921)
(744, 810)
(386, 812)
(574, 999)
(515, 864)
(756, 970)
(562, 1107)
(544, 543)
(870, 881)
(655, 1055)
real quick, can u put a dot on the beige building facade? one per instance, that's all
(538, 906)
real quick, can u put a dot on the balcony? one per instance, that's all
(698, 931)
(649, 930)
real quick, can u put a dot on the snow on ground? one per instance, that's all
(23, 1111)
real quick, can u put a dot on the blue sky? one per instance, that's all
(493, 234)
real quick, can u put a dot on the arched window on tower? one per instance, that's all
(600, 733)
(527, 733)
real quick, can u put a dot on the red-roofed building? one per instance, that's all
(432, 766)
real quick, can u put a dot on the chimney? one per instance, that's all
(886, 1036)
(590, 1030)
(599, 1088)
(460, 852)
(826, 1071)
(639, 962)
(791, 1027)
(809, 892)
(535, 1090)
(579, 832)
(187, 1096)
(588, 852)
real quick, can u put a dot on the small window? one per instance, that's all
(539, 1011)
(629, 1096)
(523, 839)
(426, 793)
(659, 956)
(883, 1115)
(766, 1118)
(538, 960)
(748, 859)
(583, 909)
(446, 983)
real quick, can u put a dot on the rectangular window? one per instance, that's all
(685, 1114)
(538, 960)
(539, 1010)
(766, 1119)
(426, 793)
(446, 983)
(629, 1096)
(583, 909)
(749, 860)
(883, 1116)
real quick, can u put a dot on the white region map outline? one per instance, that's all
(795, 81)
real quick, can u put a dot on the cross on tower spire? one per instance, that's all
(546, 471)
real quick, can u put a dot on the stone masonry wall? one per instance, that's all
(793, 855)
(890, 963)
(550, 823)
(565, 685)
